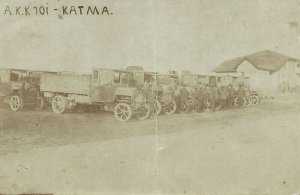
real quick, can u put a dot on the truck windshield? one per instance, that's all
(121, 77)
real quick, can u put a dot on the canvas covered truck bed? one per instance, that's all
(66, 83)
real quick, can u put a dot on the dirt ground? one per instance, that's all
(254, 150)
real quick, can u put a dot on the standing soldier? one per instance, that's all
(183, 96)
(177, 97)
(231, 98)
(241, 92)
(148, 92)
(224, 96)
(214, 97)
(207, 96)
(200, 96)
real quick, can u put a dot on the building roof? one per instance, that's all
(263, 60)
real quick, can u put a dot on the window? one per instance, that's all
(95, 75)
(14, 77)
(122, 78)
(117, 77)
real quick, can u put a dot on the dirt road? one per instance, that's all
(252, 151)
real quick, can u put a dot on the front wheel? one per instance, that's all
(171, 108)
(59, 104)
(122, 112)
(16, 103)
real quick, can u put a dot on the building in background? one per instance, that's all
(266, 70)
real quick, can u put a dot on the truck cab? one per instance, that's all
(19, 87)
(112, 85)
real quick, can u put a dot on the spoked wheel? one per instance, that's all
(171, 108)
(144, 112)
(218, 105)
(207, 105)
(189, 107)
(254, 100)
(59, 104)
(16, 103)
(186, 108)
(248, 101)
(157, 108)
(237, 103)
(194, 105)
(122, 112)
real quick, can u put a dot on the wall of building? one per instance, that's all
(286, 79)
(258, 79)
(4, 76)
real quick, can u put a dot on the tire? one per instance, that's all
(207, 105)
(254, 100)
(173, 109)
(157, 108)
(123, 112)
(59, 104)
(236, 102)
(144, 116)
(248, 101)
(16, 103)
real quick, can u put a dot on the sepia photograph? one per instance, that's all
(150, 97)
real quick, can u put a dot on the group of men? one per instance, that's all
(211, 97)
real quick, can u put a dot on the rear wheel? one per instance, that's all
(171, 108)
(122, 112)
(254, 100)
(237, 102)
(59, 104)
(16, 103)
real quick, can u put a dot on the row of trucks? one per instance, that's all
(118, 91)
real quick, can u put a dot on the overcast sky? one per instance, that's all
(196, 35)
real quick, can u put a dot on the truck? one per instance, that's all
(20, 88)
(110, 90)
(162, 88)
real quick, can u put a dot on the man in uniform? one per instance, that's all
(200, 96)
(231, 98)
(148, 92)
(207, 95)
(241, 92)
(214, 97)
(177, 97)
(224, 95)
(183, 96)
